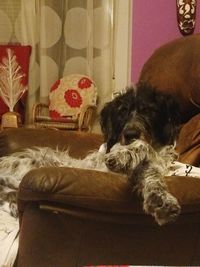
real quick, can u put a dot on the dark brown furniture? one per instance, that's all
(72, 217)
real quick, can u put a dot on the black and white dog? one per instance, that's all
(139, 128)
(146, 122)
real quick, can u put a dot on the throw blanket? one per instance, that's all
(9, 231)
(181, 169)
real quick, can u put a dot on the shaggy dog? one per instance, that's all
(144, 154)
(153, 118)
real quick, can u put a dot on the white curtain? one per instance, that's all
(67, 36)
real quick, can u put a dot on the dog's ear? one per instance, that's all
(162, 110)
(107, 125)
(171, 129)
(114, 115)
(170, 115)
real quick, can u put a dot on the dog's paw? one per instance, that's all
(118, 161)
(152, 202)
(169, 211)
(162, 206)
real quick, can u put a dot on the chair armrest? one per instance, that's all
(38, 110)
(86, 117)
(74, 186)
(97, 195)
(78, 188)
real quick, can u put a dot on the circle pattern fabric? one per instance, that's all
(6, 27)
(66, 37)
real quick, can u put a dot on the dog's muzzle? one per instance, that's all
(135, 131)
(129, 135)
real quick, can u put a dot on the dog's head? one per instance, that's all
(115, 115)
(155, 118)
(148, 115)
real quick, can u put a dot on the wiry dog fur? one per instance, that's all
(144, 155)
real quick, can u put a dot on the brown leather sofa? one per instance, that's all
(72, 217)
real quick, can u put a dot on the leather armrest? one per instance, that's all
(86, 194)
(97, 191)
(77, 187)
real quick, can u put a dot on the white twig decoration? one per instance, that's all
(11, 88)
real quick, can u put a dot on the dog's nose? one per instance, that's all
(129, 135)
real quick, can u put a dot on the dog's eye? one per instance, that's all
(123, 110)
(147, 110)
(142, 110)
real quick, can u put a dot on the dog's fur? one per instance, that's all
(144, 155)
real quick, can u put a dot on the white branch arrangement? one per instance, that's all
(11, 88)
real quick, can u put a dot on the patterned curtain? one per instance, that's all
(67, 36)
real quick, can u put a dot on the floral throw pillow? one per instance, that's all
(69, 94)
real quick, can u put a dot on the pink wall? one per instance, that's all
(154, 23)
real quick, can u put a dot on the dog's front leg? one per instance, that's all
(147, 179)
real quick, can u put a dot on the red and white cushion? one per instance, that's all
(70, 94)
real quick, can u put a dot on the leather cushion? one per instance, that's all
(78, 143)
(172, 69)
(188, 144)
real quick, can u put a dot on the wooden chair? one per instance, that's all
(72, 102)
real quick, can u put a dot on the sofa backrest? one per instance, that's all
(78, 143)
(174, 68)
